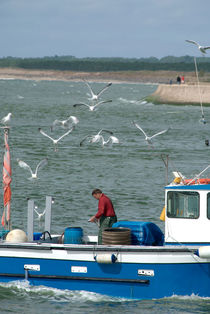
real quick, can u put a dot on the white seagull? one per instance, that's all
(55, 142)
(111, 140)
(40, 215)
(24, 165)
(6, 119)
(201, 48)
(95, 138)
(93, 95)
(93, 106)
(148, 139)
(65, 124)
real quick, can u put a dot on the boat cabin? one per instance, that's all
(187, 212)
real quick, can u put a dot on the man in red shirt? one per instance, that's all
(106, 214)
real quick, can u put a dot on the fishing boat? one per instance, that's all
(136, 260)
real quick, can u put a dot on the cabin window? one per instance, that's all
(208, 205)
(183, 204)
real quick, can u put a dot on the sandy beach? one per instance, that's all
(157, 77)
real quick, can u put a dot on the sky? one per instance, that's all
(103, 28)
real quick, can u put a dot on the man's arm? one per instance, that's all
(101, 208)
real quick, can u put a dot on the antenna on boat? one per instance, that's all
(7, 172)
(198, 175)
(202, 113)
(165, 159)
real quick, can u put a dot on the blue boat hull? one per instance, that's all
(120, 279)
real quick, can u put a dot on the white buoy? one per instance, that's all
(16, 236)
(105, 258)
(203, 252)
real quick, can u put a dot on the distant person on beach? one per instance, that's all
(105, 215)
(178, 79)
(182, 79)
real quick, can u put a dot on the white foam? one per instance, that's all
(23, 287)
(192, 297)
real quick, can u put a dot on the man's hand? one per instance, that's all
(92, 219)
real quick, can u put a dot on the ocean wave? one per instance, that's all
(22, 288)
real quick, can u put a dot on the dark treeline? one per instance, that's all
(71, 63)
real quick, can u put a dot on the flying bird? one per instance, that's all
(201, 48)
(95, 138)
(6, 119)
(55, 142)
(93, 95)
(148, 139)
(65, 124)
(93, 106)
(40, 215)
(40, 165)
(111, 140)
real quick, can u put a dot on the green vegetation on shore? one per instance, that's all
(71, 63)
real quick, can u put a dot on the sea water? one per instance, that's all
(131, 173)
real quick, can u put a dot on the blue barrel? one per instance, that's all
(73, 235)
(37, 236)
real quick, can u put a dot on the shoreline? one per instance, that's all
(174, 93)
(153, 77)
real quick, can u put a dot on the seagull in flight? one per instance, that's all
(148, 139)
(6, 119)
(55, 142)
(111, 140)
(93, 106)
(201, 48)
(40, 165)
(40, 215)
(95, 138)
(96, 96)
(65, 124)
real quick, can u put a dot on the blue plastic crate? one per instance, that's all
(142, 233)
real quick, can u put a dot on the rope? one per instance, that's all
(196, 70)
